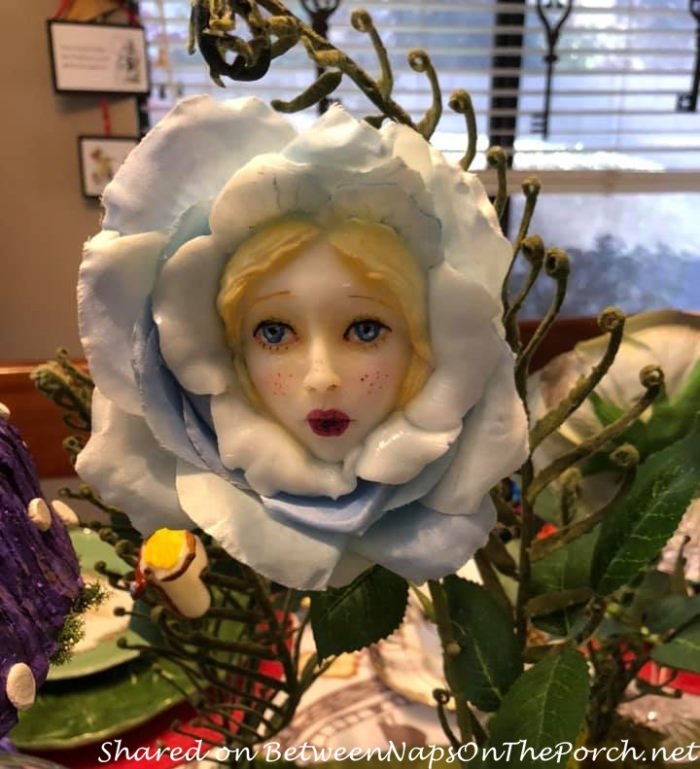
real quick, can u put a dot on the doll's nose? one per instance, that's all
(322, 374)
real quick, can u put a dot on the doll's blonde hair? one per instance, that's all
(374, 250)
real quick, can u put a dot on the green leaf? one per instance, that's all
(489, 660)
(567, 568)
(652, 588)
(673, 612)
(548, 505)
(365, 611)
(640, 524)
(682, 652)
(606, 411)
(546, 706)
(671, 420)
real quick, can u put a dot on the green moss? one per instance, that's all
(73, 629)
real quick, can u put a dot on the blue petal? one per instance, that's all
(180, 421)
(116, 277)
(350, 514)
(193, 222)
(292, 555)
(419, 543)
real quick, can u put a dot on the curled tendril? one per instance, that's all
(320, 89)
(651, 377)
(625, 456)
(557, 264)
(461, 103)
(531, 185)
(533, 249)
(361, 21)
(610, 318)
(420, 62)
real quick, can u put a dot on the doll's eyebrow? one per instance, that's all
(269, 296)
(370, 298)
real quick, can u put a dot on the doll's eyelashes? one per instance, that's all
(274, 332)
(366, 330)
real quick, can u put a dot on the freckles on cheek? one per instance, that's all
(375, 380)
(276, 383)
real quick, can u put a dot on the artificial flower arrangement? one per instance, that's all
(309, 383)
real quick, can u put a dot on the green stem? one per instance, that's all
(496, 158)
(447, 639)
(612, 320)
(527, 534)
(654, 386)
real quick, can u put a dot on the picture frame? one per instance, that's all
(100, 157)
(87, 57)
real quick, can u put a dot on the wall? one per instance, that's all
(44, 219)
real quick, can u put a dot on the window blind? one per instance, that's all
(621, 85)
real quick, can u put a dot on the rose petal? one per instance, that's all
(123, 462)
(398, 450)
(351, 514)
(420, 544)
(493, 443)
(472, 238)
(268, 187)
(666, 338)
(348, 568)
(192, 337)
(341, 140)
(116, 276)
(271, 459)
(297, 558)
(188, 157)
(465, 350)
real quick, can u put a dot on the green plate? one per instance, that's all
(69, 714)
(99, 650)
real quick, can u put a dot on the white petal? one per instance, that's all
(465, 349)
(342, 140)
(666, 338)
(492, 445)
(398, 450)
(472, 236)
(240, 524)
(392, 194)
(188, 157)
(349, 567)
(126, 466)
(268, 187)
(272, 459)
(116, 276)
(411, 147)
(192, 337)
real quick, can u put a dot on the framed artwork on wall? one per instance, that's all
(98, 58)
(100, 157)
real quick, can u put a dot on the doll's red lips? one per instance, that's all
(329, 423)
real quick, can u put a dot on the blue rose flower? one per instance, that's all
(179, 442)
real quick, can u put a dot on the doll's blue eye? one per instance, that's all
(273, 332)
(365, 330)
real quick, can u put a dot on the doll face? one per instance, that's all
(326, 350)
